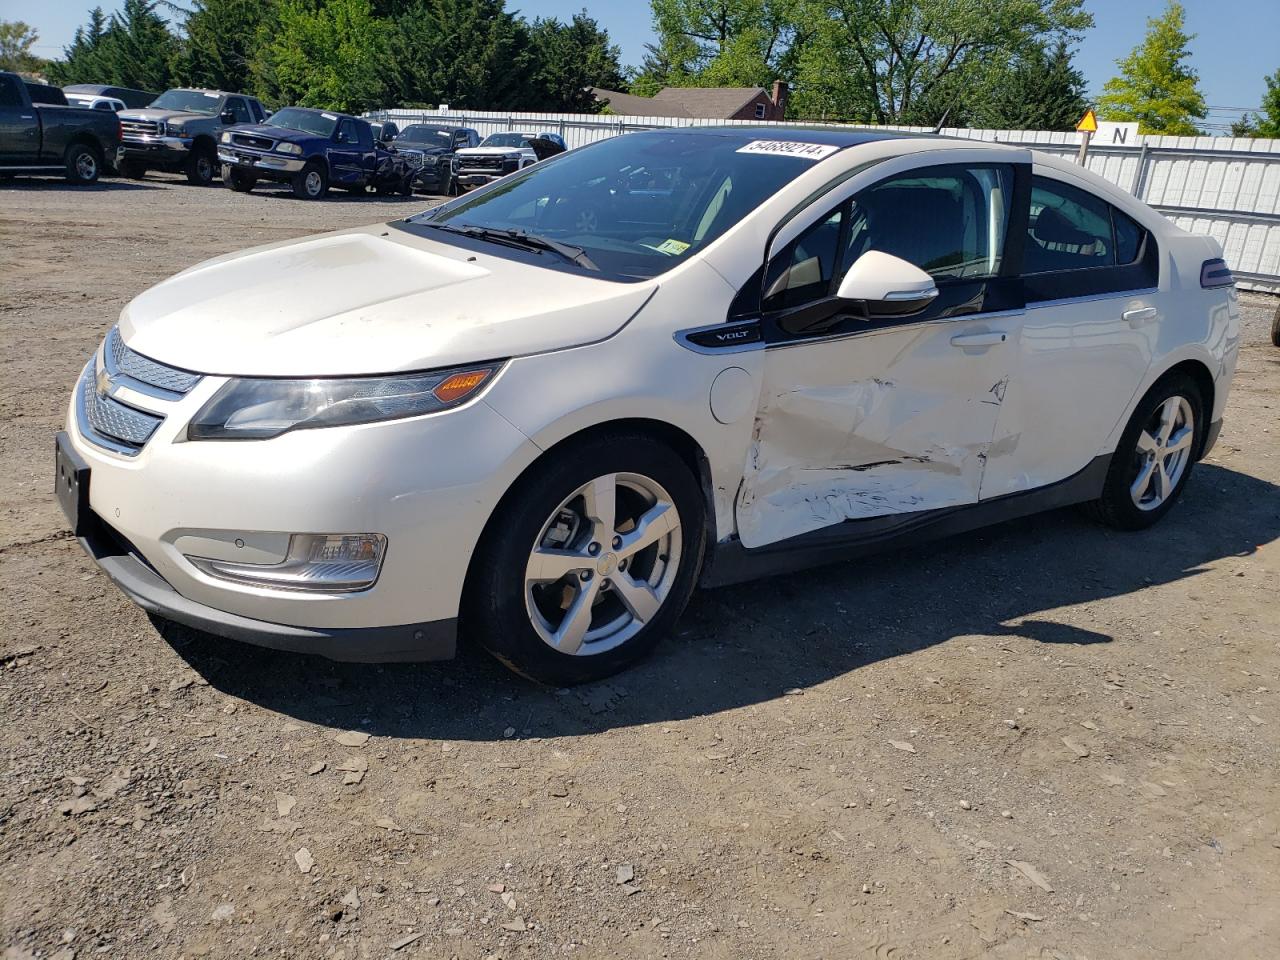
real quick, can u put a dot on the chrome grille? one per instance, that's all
(123, 428)
(139, 128)
(120, 359)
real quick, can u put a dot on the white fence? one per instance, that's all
(1228, 188)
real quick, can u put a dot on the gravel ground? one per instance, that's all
(1046, 740)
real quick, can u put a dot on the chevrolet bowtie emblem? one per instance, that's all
(104, 384)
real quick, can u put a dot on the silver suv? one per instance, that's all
(179, 132)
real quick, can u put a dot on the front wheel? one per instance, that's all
(132, 170)
(1154, 457)
(311, 182)
(238, 180)
(589, 560)
(83, 165)
(201, 166)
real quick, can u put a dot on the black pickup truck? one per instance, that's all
(44, 138)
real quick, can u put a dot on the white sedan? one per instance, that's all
(542, 413)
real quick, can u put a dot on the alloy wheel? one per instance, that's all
(204, 169)
(313, 183)
(1163, 453)
(86, 166)
(603, 565)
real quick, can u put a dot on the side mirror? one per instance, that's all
(888, 285)
(228, 117)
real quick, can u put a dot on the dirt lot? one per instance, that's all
(1049, 740)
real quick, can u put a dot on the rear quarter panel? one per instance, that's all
(61, 125)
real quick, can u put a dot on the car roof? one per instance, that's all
(828, 136)
(332, 113)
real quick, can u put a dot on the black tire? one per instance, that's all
(132, 170)
(238, 180)
(1275, 327)
(1116, 507)
(311, 182)
(83, 163)
(202, 166)
(406, 185)
(494, 611)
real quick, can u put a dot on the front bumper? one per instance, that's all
(157, 149)
(478, 179)
(435, 640)
(263, 164)
(428, 484)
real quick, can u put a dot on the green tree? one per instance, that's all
(322, 53)
(723, 42)
(1266, 123)
(1156, 86)
(900, 55)
(221, 41)
(1041, 90)
(16, 41)
(565, 59)
(467, 53)
(82, 61)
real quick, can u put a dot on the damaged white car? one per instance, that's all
(542, 413)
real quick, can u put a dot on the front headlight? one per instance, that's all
(292, 148)
(173, 130)
(226, 137)
(261, 409)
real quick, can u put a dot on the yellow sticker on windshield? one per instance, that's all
(672, 247)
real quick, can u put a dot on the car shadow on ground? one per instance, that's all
(57, 183)
(751, 643)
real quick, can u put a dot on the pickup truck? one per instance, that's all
(311, 150)
(179, 132)
(503, 153)
(49, 138)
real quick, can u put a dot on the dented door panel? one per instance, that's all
(890, 421)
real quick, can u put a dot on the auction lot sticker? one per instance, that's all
(789, 148)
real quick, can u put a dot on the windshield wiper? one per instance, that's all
(522, 239)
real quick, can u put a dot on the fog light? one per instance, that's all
(316, 562)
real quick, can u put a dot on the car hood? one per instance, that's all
(274, 133)
(373, 300)
(408, 146)
(490, 151)
(147, 113)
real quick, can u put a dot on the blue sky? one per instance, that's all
(1236, 44)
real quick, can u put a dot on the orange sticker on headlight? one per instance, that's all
(457, 385)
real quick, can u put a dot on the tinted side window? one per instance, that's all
(365, 133)
(948, 221)
(239, 110)
(9, 95)
(259, 114)
(1079, 245)
(346, 132)
(804, 271)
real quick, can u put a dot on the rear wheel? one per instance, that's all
(201, 166)
(1275, 328)
(1154, 457)
(238, 180)
(311, 182)
(83, 164)
(589, 561)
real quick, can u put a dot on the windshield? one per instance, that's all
(636, 204)
(419, 133)
(505, 140)
(305, 121)
(188, 101)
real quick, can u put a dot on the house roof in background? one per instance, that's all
(706, 103)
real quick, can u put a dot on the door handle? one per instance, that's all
(978, 339)
(1140, 316)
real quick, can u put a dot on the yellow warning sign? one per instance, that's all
(1088, 123)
